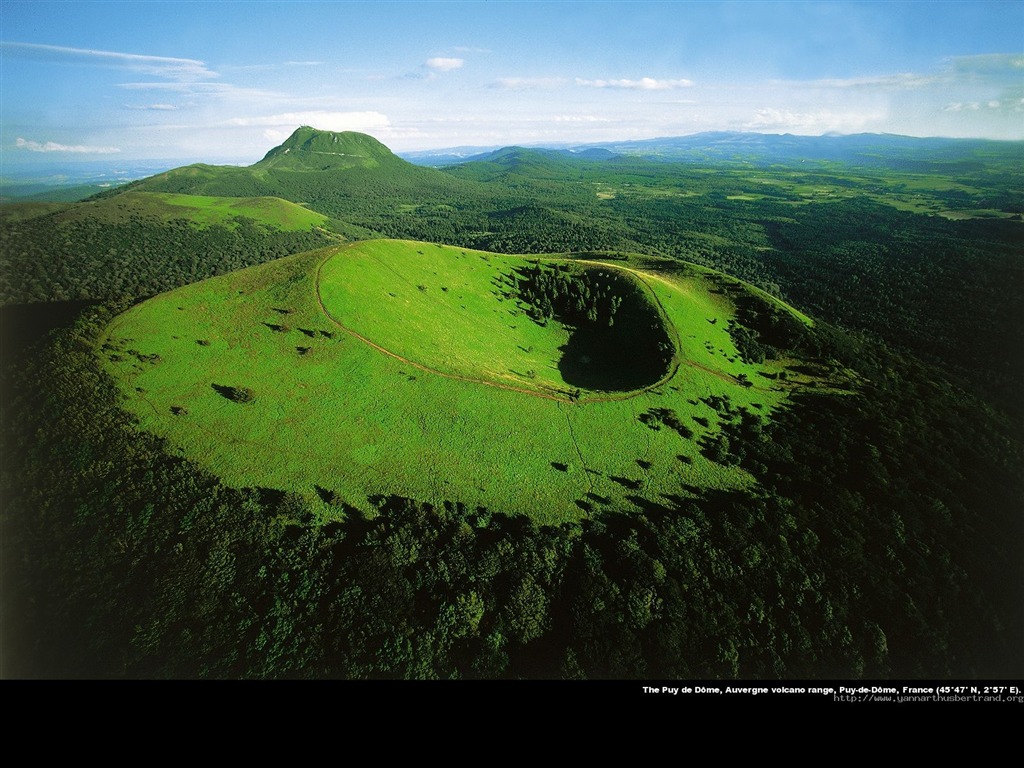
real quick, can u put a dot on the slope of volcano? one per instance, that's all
(547, 386)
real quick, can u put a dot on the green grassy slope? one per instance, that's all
(337, 174)
(452, 312)
(398, 389)
(311, 149)
(200, 211)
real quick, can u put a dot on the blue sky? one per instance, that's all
(226, 81)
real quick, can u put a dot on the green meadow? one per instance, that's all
(396, 367)
(199, 210)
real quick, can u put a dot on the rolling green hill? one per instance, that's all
(395, 367)
(198, 210)
(337, 174)
(306, 151)
(140, 243)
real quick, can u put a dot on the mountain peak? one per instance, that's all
(310, 148)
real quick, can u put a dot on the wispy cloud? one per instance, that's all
(154, 107)
(959, 106)
(993, 68)
(177, 87)
(1001, 105)
(324, 120)
(643, 84)
(900, 81)
(813, 122)
(213, 92)
(989, 62)
(430, 69)
(527, 83)
(444, 63)
(275, 66)
(470, 49)
(158, 66)
(52, 146)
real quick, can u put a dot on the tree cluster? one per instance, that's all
(46, 259)
(570, 295)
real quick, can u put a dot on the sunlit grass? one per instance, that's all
(382, 412)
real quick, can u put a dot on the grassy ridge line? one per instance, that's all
(673, 265)
(202, 211)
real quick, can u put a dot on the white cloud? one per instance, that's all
(972, 71)
(643, 84)
(159, 66)
(812, 123)
(274, 135)
(989, 62)
(960, 106)
(155, 107)
(326, 121)
(444, 64)
(179, 87)
(525, 83)
(899, 81)
(213, 92)
(52, 146)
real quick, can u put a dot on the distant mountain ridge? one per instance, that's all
(758, 148)
(533, 163)
(328, 170)
(506, 154)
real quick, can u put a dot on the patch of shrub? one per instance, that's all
(235, 394)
